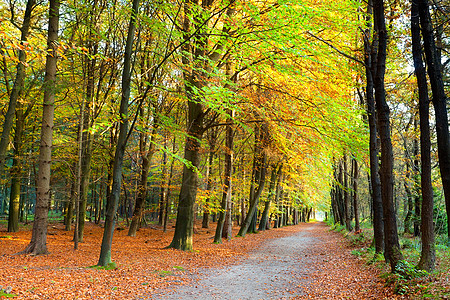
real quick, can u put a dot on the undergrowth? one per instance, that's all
(408, 279)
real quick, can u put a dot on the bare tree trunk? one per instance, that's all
(347, 201)
(169, 182)
(226, 193)
(370, 54)
(16, 171)
(428, 253)
(439, 101)
(274, 177)
(113, 199)
(417, 185)
(38, 243)
(258, 178)
(212, 139)
(355, 193)
(146, 156)
(393, 253)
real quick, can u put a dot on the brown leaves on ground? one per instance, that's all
(341, 275)
(144, 265)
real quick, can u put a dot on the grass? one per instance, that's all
(7, 295)
(110, 266)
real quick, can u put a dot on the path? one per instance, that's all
(313, 263)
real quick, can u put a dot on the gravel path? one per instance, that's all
(280, 269)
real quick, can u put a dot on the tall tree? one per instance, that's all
(347, 201)
(196, 61)
(38, 243)
(428, 253)
(355, 175)
(113, 199)
(370, 52)
(439, 100)
(258, 178)
(392, 251)
(227, 173)
(276, 173)
(18, 83)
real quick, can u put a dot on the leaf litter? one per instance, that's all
(145, 266)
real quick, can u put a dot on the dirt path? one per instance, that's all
(311, 264)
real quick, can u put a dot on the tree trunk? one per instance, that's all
(226, 193)
(86, 154)
(258, 180)
(194, 77)
(417, 185)
(38, 243)
(14, 199)
(276, 174)
(212, 146)
(347, 202)
(409, 205)
(18, 83)
(428, 253)
(340, 196)
(355, 193)
(439, 101)
(113, 199)
(370, 50)
(142, 189)
(393, 253)
(169, 182)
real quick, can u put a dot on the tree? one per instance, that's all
(18, 83)
(113, 199)
(428, 253)
(227, 174)
(258, 179)
(370, 51)
(439, 100)
(392, 250)
(196, 61)
(38, 243)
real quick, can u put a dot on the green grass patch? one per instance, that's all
(7, 295)
(110, 266)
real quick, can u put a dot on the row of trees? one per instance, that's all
(248, 111)
(378, 112)
(138, 85)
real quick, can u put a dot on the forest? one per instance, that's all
(257, 114)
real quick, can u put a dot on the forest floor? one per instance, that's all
(306, 261)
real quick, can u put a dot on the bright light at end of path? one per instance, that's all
(320, 216)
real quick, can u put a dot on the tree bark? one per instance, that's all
(347, 202)
(16, 171)
(258, 180)
(212, 146)
(113, 199)
(38, 243)
(276, 174)
(355, 193)
(417, 184)
(392, 251)
(370, 51)
(439, 100)
(226, 193)
(428, 253)
(146, 156)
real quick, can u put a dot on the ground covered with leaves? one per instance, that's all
(145, 266)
